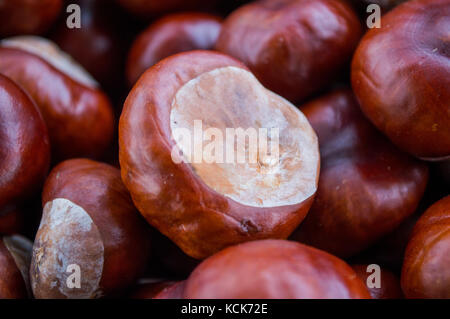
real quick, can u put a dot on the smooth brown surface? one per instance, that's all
(401, 77)
(27, 16)
(79, 118)
(274, 269)
(426, 272)
(12, 284)
(294, 47)
(367, 187)
(171, 196)
(24, 145)
(389, 284)
(170, 35)
(98, 189)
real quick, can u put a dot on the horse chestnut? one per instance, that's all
(426, 272)
(89, 228)
(237, 189)
(367, 187)
(401, 75)
(294, 47)
(78, 115)
(172, 34)
(274, 269)
(24, 147)
(389, 285)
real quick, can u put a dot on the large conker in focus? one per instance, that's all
(205, 198)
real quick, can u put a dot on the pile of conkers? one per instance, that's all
(273, 149)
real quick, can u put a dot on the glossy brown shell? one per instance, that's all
(79, 119)
(426, 272)
(401, 77)
(27, 16)
(294, 47)
(170, 35)
(367, 187)
(98, 189)
(389, 284)
(24, 145)
(274, 269)
(171, 196)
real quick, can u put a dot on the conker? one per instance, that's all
(401, 77)
(89, 223)
(367, 187)
(170, 35)
(204, 206)
(274, 269)
(294, 47)
(78, 114)
(174, 291)
(24, 146)
(151, 8)
(426, 272)
(15, 255)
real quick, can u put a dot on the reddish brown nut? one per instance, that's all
(15, 255)
(78, 115)
(426, 272)
(27, 16)
(366, 188)
(170, 35)
(149, 289)
(152, 8)
(385, 5)
(204, 204)
(174, 291)
(274, 269)
(97, 45)
(24, 145)
(401, 76)
(294, 47)
(89, 223)
(389, 284)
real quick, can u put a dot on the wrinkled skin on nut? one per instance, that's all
(426, 272)
(389, 283)
(274, 269)
(88, 220)
(294, 47)
(27, 16)
(78, 115)
(199, 206)
(151, 8)
(367, 187)
(15, 253)
(174, 291)
(170, 35)
(401, 75)
(24, 145)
